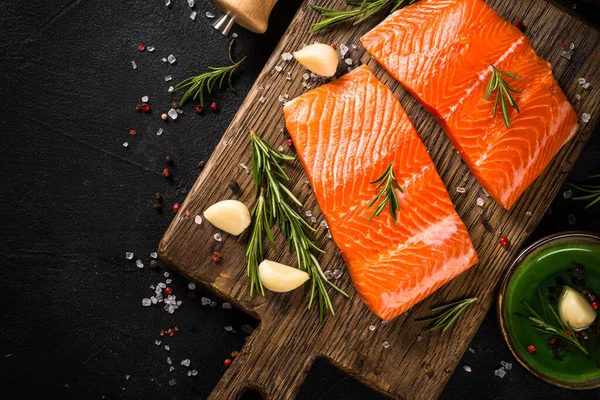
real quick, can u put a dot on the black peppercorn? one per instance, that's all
(158, 197)
(202, 163)
(175, 104)
(234, 186)
(138, 107)
(157, 207)
(169, 160)
(154, 264)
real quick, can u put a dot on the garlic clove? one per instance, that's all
(279, 277)
(574, 310)
(231, 216)
(320, 58)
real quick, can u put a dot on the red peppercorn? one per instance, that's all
(142, 46)
(170, 332)
(176, 207)
(198, 109)
(132, 131)
(227, 362)
(568, 332)
(145, 107)
(503, 241)
(216, 256)
(213, 106)
(162, 332)
(564, 45)
(168, 290)
(531, 348)
(333, 45)
(167, 172)
(234, 354)
(186, 214)
(585, 292)
(176, 328)
(595, 305)
(289, 142)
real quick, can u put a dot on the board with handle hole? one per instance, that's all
(411, 364)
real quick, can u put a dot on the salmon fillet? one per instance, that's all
(442, 52)
(346, 133)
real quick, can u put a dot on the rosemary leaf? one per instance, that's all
(498, 84)
(448, 316)
(592, 190)
(197, 85)
(386, 187)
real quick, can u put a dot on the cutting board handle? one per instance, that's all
(283, 365)
(251, 14)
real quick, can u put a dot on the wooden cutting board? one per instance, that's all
(279, 354)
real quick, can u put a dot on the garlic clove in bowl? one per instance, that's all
(319, 58)
(574, 310)
(280, 277)
(231, 216)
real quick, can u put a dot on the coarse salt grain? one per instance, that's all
(133, 64)
(286, 56)
(129, 255)
(167, 3)
(348, 61)
(139, 264)
(567, 194)
(125, 144)
(228, 328)
(186, 362)
(234, 35)
(337, 274)
(467, 368)
(218, 237)
(153, 255)
(166, 274)
(586, 85)
(191, 286)
(328, 275)
(308, 213)
(343, 49)
(226, 306)
(171, 369)
(461, 190)
(581, 80)
(171, 59)
(168, 78)
(173, 113)
(198, 219)
(386, 345)
(372, 328)
(150, 48)
(163, 59)
(585, 117)
(193, 15)
(145, 99)
(194, 372)
(528, 213)
(278, 68)
(480, 202)
(170, 89)
(262, 99)
(172, 382)
(157, 342)
(324, 224)
(572, 219)
(167, 347)
(577, 97)
(205, 301)
(146, 302)
(209, 14)
(191, 3)
(159, 131)
(245, 168)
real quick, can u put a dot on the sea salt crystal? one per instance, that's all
(313, 219)
(169, 361)
(247, 329)
(129, 255)
(328, 275)
(133, 64)
(461, 190)
(171, 369)
(170, 89)
(577, 97)
(189, 373)
(348, 61)
(585, 117)
(280, 148)
(153, 255)
(262, 99)
(328, 235)
(500, 372)
(209, 14)
(226, 306)
(245, 168)
(163, 59)
(139, 264)
(234, 35)
(146, 302)
(372, 328)
(145, 99)
(281, 99)
(286, 56)
(218, 237)
(194, 372)
(467, 368)
(167, 348)
(159, 131)
(198, 219)
(193, 15)
(153, 300)
(171, 59)
(125, 144)
(471, 350)
(228, 328)
(354, 47)
(324, 224)
(308, 213)
(581, 81)
(150, 48)
(343, 49)
(186, 362)
(386, 345)
(289, 76)
(172, 382)
(305, 76)
(566, 54)
(572, 219)
(480, 202)
(168, 78)
(567, 194)
(278, 68)
(166, 274)
(162, 285)
(205, 301)
(586, 85)
(168, 281)
(173, 113)
(167, 3)
(191, 286)
(157, 342)
(508, 366)
(126, 377)
(337, 274)
(191, 3)
(528, 213)
(419, 338)
(572, 46)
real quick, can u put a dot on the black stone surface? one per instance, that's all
(74, 200)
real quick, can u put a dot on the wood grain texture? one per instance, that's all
(278, 355)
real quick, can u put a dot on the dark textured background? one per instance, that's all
(74, 200)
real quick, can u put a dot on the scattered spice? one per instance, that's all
(176, 207)
(201, 164)
(289, 142)
(154, 264)
(169, 159)
(213, 106)
(503, 241)
(168, 290)
(227, 362)
(216, 256)
(531, 348)
(157, 207)
(145, 107)
(138, 107)
(234, 354)
(158, 197)
(198, 109)
(132, 131)
(595, 305)
(164, 117)
(234, 186)
(167, 172)
(142, 46)
(175, 104)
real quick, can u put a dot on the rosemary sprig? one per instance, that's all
(281, 205)
(205, 82)
(543, 325)
(503, 95)
(449, 313)
(386, 185)
(261, 226)
(593, 192)
(366, 9)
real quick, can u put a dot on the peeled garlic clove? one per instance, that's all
(574, 310)
(231, 216)
(320, 58)
(279, 277)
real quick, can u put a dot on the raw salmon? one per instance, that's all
(442, 52)
(346, 133)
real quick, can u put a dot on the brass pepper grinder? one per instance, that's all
(251, 14)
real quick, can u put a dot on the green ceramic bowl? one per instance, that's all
(538, 266)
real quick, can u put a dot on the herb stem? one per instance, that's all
(502, 89)
(449, 314)
(387, 186)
